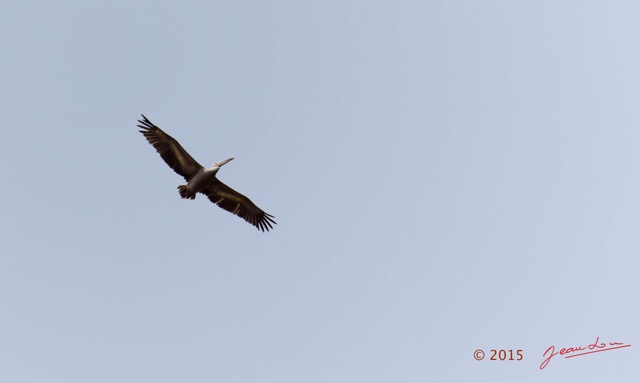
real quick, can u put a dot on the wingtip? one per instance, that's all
(146, 123)
(266, 224)
(145, 120)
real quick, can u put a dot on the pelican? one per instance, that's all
(203, 180)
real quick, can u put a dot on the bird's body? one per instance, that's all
(203, 180)
(199, 182)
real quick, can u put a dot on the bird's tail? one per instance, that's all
(184, 192)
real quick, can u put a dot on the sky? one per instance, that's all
(447, 176)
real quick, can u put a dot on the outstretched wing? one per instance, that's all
(234, 202)
(169, 149)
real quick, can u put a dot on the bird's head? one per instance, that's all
(218, 165)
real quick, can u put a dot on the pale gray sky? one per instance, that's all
(446, 176)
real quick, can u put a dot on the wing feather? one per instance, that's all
(236, 203)
(169, 149)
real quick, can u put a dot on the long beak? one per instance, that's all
(223, 162)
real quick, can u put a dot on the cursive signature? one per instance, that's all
(596, 346)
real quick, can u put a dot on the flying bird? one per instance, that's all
(203, 180)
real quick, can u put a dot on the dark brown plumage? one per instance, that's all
(202, 180)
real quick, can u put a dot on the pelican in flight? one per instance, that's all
(203, 180)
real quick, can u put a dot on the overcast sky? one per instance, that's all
(446, 176)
